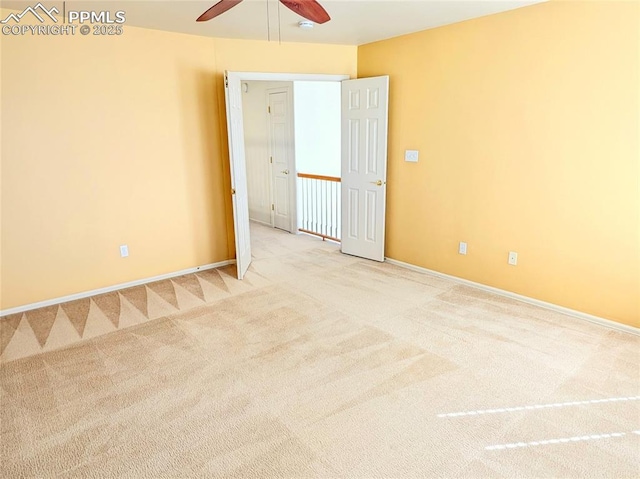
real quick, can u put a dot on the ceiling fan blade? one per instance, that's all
(218, 9)
(309, 9)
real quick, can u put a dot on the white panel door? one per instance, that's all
(240, 196)
(280, 148)
(364, 166)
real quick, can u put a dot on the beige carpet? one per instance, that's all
(325, 365)
(54, 327)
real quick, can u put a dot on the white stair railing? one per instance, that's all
(320, 205)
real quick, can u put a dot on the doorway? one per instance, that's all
(269, 155)
(291, 132)
(364, 113)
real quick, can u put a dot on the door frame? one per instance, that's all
(235, 78)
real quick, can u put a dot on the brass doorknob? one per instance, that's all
(378, 183)
(286, 172)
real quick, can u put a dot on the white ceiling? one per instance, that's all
(353, 22)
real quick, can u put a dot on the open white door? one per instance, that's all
(233, 99)
(365, 104)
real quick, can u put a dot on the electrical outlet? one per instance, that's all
(513, 258)
(462, 249)
(124, 251)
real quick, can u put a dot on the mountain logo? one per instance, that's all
(34, 11)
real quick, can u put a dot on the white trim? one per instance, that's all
(115, 287)
(525, 299)
(252, 220)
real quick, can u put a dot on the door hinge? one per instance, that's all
(272, 207)
(269, 109)
(271, 159)
(226, 81)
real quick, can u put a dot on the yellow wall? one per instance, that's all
(113, 140)
(527, 124)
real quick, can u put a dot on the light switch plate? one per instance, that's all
(411, 155)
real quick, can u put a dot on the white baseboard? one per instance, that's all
(253, 220)
(525, 299)
(115, 287)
